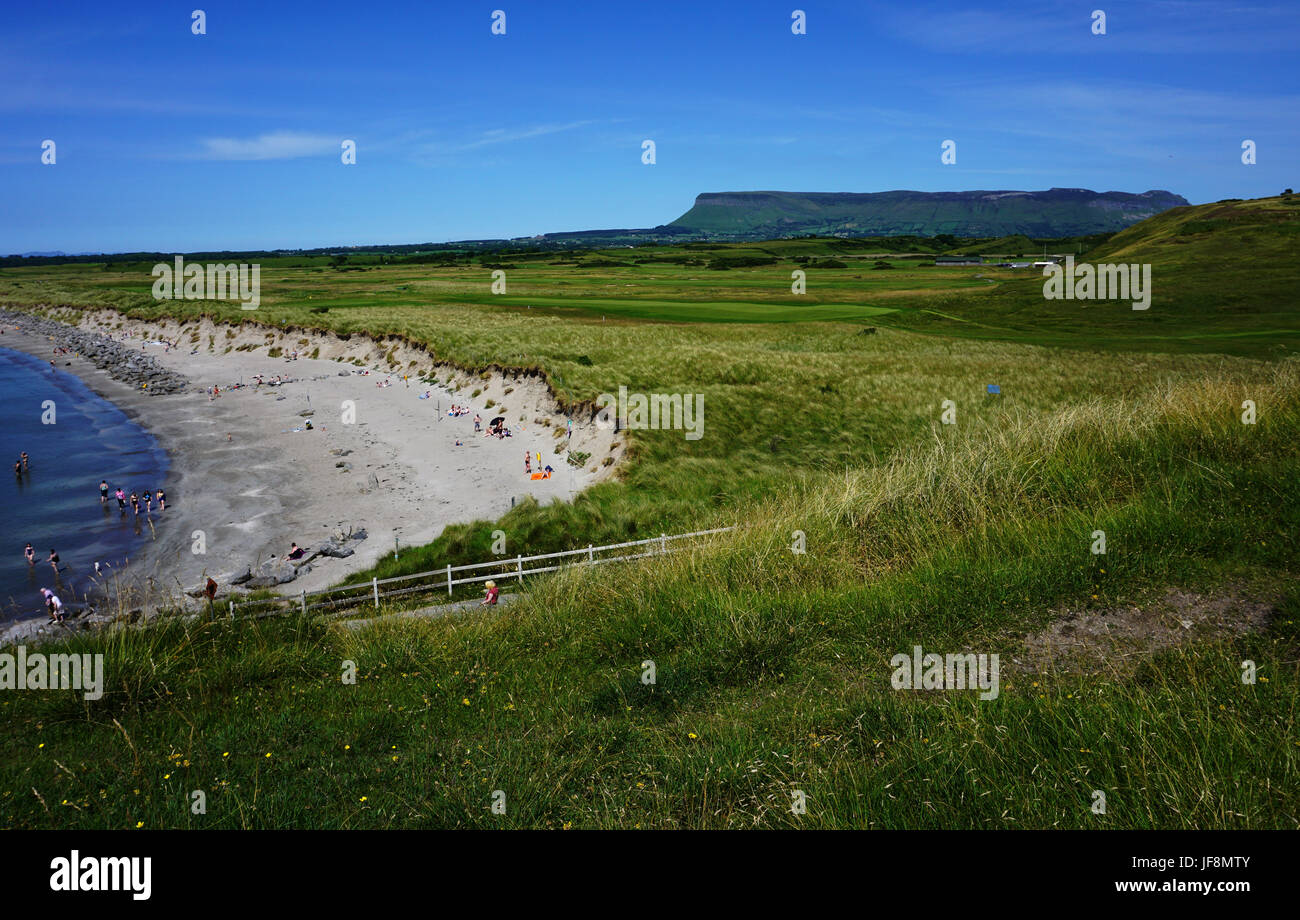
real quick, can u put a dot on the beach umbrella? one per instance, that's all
(498, 420)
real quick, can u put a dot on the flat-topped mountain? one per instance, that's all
(1055, 212)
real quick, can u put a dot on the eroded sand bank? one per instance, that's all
(249, 476)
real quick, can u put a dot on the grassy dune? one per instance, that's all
(1223, 278)
(772, 667)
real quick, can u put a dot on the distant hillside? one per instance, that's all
(1056, 212)
(1223, 279)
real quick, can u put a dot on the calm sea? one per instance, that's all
(56, 505)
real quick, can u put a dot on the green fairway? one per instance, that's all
(708, 312)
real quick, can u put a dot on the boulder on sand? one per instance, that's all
(333, 549)
(273, 572)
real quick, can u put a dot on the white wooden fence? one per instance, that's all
(436, 580)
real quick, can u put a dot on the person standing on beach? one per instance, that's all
(18, 468)
(103, 491)
(121, 499)
(135, 503)
(148, 502)
(30, 555)
(54, 561)
(26, 464)
(528, 463)
(162, 500)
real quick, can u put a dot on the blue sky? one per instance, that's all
(171, 141)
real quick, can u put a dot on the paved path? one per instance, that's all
(440, 610)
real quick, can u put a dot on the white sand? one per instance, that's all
(244, 476)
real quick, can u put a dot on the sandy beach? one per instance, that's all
(248, 474)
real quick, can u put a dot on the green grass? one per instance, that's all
(1222, 277)
(772, 667)
(772, 670)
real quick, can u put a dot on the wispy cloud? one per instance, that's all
(277, 145)
(1153, 27)
(491, 137)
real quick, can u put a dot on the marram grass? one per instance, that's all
(772, 668)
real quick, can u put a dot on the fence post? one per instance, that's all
(663, 545)
(519, 565)
(591, 556)
(449, 579)
(304, 601)
(374, 584)
(232, 610)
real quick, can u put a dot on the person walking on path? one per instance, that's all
(489, 594)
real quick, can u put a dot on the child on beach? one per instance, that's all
(489, 594)
(162, 500)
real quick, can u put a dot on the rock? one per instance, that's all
(273, 572)
(120, 360)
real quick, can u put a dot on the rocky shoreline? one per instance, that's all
(118, 359)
